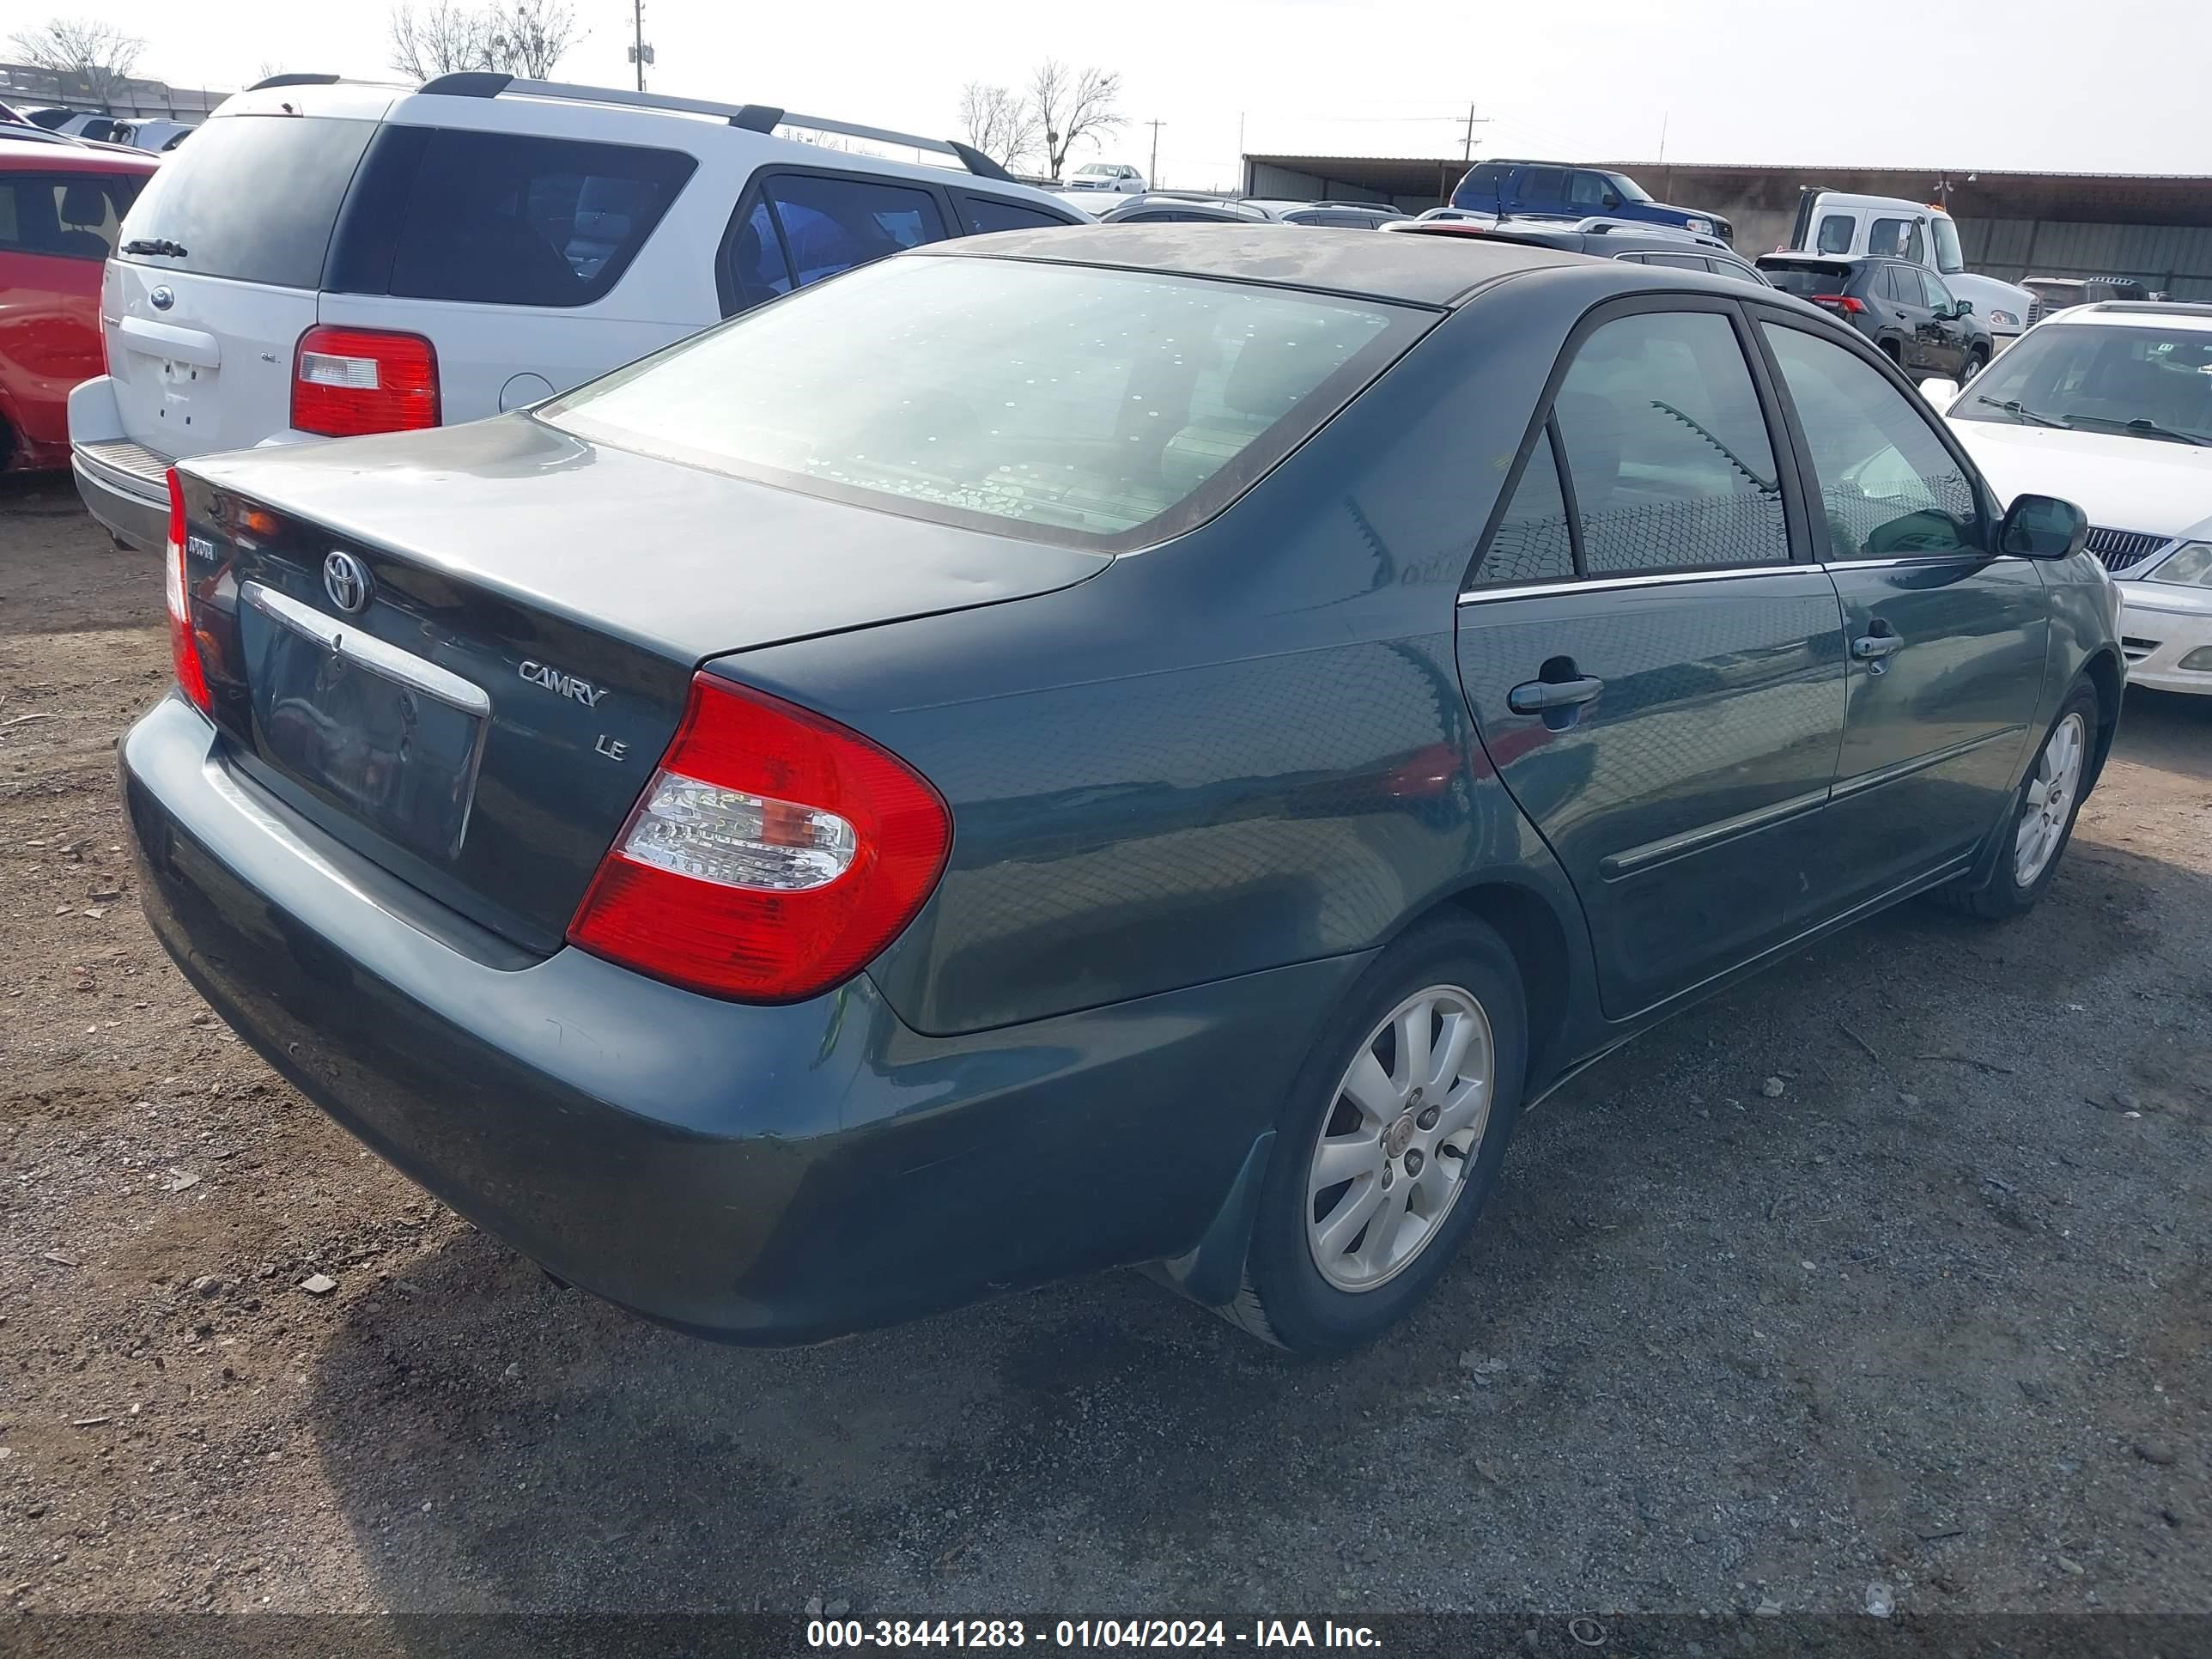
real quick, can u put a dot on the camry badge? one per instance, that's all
(345, 581)
(562, 686)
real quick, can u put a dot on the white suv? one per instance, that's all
(328, 258)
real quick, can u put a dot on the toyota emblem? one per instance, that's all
(163, 297)
(345, 581)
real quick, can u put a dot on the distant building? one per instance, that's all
(2156, 227)
(25, 85)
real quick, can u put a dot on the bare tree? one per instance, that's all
(528, 37)
(100, 55)
(1002, 124)
(517, 37)
(440, 38)
(1072, 104)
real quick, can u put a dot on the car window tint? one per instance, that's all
(1543, 186)
(1080, 403)
(503, 218)
(833, 224)
(1835, 230)
(253, 197)
(73, 216)
(984, 213)
(1888, 487)
(1666, 447)
(1531, 543)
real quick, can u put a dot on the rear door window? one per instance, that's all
(1667, 448)
(501, 218)
(71, 216)
(1532, 542)
(251, 196)
(823, 224)
(984, 213)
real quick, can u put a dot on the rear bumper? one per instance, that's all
(780, 1173)
(2158, 627)
(124, 484)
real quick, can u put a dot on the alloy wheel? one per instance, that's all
(1398, 1140)
(2051, 794)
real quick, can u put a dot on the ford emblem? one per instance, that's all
(163, 297)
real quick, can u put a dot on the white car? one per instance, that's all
(1116, 176)
(2110, 405)
(326, 257)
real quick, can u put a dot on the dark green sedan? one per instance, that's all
(1110, 745)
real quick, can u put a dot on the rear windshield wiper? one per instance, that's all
(2016, 407)
(160, 245)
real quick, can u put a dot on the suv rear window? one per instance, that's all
(988, 392)
(500, 218)
(1805, 278)
(253, 197)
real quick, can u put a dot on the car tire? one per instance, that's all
(1433, 1162)
(1977, 361)
(2034, 835)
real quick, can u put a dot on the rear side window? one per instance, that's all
(501, 218)
(1532, 542)
(1680, 261)
(1888, 487)
(1093, 406)
(253, 197)
(73, 216)
(1835, 233)
(802, 227)
(1667, 449)
(984, 213)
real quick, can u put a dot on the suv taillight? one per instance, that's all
(348, 381)
(1850, 305)
(774, 855)
(184, 645)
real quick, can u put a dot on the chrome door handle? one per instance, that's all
(1534, 696)
(1873, 647)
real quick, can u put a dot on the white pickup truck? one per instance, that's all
(1838, 223)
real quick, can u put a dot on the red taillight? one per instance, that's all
(774, 855)
(348, 381)
(184, 647)
(1843, 302)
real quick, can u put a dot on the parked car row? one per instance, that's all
(1637, 243)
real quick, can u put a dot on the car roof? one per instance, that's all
(2125, 313)
(45, 155)
(1427, 270)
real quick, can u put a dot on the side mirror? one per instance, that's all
(1962, 307)
(1612, 198)
(1939, 394)
(2043, 527)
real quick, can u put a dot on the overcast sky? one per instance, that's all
(2067, 85)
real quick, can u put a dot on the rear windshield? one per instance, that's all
(1102, 407)
(253, 197)
(1806, 279)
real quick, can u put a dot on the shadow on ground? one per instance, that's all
(1904, 1321)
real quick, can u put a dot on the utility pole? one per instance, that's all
(640, 53)
(1467, 149)
(1153, 172)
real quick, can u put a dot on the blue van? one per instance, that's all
(1556, 190)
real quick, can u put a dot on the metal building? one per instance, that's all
(2156, 228)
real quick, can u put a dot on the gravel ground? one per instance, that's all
(1890, 1266)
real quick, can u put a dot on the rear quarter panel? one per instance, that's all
(1240, 749)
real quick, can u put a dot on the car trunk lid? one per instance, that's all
(531, 607)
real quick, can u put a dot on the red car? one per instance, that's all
(61, 206)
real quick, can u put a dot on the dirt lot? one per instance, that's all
(1934, 1309)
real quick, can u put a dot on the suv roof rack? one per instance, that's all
(1603, 226)
(752, 118)
(293, 81)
